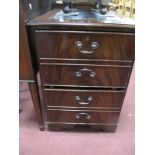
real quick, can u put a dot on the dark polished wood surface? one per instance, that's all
(85, 99)
(66, 75)
(33, 87)
(27, 73)
(81, 127)
(25, 67)
(82, 116)
(47, 20)
(86, 61)
(61, 44)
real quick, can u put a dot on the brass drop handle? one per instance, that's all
(92, 74)
(79, 45)
(78, 99)
(86, 115)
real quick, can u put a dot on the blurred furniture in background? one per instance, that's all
(124, 7)
(27, 63)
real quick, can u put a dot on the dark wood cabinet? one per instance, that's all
(85, 68)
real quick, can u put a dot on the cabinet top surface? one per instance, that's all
(82, 18)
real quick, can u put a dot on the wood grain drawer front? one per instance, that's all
(85, 45)
(84, 99)
(79, 75)
(75, 116)
(56, 126)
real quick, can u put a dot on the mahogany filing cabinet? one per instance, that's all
(85, 68)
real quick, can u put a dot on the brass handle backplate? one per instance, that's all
(79, 45)
(92, 74)
(78, 99)
(86, 115)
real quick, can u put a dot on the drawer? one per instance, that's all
(95, 99)
(85, 45)
(56, 126)
(84, 75)
(82, 116)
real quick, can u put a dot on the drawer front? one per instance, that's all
(54, 126)
(83, 99)
(85, 45)
(79, 75)
(106, 117)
